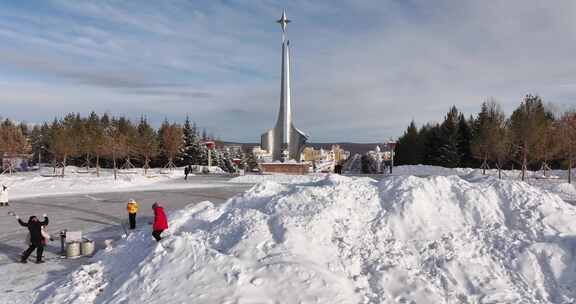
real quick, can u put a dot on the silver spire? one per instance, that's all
(284, 136)
(283, 21)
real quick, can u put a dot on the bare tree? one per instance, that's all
(116, 145)
(548, 145)
(172, 142)
(526, 125)
(501, 148)
(491, 136)
(126, 127)
(481, 142)
(13, 142)
(146, 143)
(567, 146)
(62, 143)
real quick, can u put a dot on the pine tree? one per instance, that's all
(195, 151)
(36, 143)
(216, 160)
(188, 153)
(464, 140)
(448, 154)
(409, 149)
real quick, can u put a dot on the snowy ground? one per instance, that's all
(33, 184)
(424, 235)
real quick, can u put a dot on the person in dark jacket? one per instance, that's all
(160, 221)
(186, 172)
(37, 241)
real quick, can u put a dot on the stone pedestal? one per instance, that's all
(285, 168)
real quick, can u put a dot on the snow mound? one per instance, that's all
(348, 240)
(278, 178)
(566, 189)
(426, 170)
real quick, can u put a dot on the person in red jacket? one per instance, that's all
(160, 221)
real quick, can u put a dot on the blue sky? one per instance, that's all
(361, 69)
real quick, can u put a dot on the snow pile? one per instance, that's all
(566, 189)
(278, 178)
(427, 170)
(207, 169)
(348, 240)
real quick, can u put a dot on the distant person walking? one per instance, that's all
(160, 221)
(4, 196)
(132, 208)
(186, 172)
(37, 239)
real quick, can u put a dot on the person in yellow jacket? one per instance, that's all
(132, 208)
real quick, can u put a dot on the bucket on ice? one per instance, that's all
(87, 248)
(73, 249)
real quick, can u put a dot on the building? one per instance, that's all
(340, 155)
(261, 156)
(233, 149)
(323, 160)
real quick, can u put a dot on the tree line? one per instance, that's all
(104, 141)
(533, 137)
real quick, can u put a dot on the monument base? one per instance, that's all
(285, 168)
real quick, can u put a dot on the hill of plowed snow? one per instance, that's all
(405, 239)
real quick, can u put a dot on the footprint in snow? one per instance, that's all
(256, 281)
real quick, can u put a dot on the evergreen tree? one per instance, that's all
(464, 140)
(36, 144)
(188, 153)
(409, 148)
(433, 143)
(216, 160)
(227, 163)
(448, 154)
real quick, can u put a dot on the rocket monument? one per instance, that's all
(284, 136)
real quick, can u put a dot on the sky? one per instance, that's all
(361, 70)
